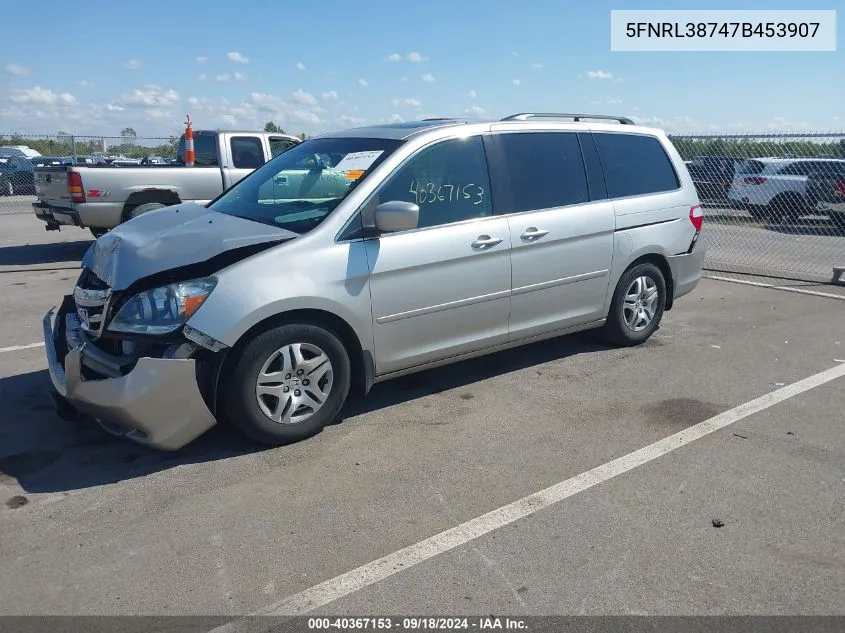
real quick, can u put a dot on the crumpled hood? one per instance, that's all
(168, 238)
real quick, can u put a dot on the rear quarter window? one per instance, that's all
(635, 164)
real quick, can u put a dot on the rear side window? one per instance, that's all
(205, 150)
(635, 164)
(247, 152)
(545, 170)
(751, 167)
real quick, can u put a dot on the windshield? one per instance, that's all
(299, 188)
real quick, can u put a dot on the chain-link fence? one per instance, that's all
(774, 203)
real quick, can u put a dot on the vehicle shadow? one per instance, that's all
(53, 252)
(44, 453)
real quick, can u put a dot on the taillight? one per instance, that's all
(754, 180)
(696, 216)
(74, 187)
(840, 187)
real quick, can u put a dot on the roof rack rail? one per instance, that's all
(524, 116)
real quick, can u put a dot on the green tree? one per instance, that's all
(273, 128)
(129, 136)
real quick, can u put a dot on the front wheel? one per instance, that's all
(637, 306)
(287, 383)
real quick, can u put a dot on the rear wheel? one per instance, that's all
(785, 208)
(287, 383)
(134, 212)
(637, 307)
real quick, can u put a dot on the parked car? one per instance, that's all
(16, 176)
(100, 198)
(775, 189)
(155, 160)
(826, 194)
(46, 161)
(713, 175)
(18, 150)
(366, 254)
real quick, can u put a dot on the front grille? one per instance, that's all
(91, 295)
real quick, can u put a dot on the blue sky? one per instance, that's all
(316, 66)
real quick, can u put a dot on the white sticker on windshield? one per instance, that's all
(358, 161)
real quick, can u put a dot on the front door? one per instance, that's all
(442, 289)
(561, 230)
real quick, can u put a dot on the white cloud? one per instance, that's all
(42, 96)
(416, 57)
(17, 69)
(132, 64)
(300, 96)
(611, 101)
(395, 118)
(363, 83)
(223, 78)
(394, 57)
(239, 76)
(470, 94)
(413, 103)
(394, 102)
(330, 95)
(475, 111)
(345, 119)
(201, 77)
(149, 96)
(599, 74)
(202, 59)
(428, 78)
(84, 83)
(517, 82)
(300, 66)
(238, 57)
(536, 65)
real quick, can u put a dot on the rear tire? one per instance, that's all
(134, 212)
(637, 306)
(785, 208)
(287, 383)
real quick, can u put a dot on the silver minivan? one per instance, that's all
(366, 254)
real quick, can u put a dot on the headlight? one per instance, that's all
(162, 310)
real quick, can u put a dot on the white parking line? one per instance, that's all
(378, 570)
(15, 348)
(802, 291)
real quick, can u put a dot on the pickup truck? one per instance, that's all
(100, 197)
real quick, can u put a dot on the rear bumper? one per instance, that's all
(157, 403)
(686, 270)
(55, 215)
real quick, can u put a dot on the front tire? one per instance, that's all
(637, 306)
(287, 383)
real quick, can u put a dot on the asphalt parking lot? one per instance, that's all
(90, 524)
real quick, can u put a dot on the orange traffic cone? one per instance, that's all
(189, 144)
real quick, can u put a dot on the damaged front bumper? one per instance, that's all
(156, 403)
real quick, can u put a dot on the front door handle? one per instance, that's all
(533, 233)
(485, 241)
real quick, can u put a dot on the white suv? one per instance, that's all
(775, 189)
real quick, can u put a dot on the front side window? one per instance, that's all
(448, 180)
(279, 145)
(545, 169)
(635, 164)
(298, 189)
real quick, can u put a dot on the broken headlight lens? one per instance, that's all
(162, 310)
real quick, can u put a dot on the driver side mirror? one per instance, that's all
(396, 215)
